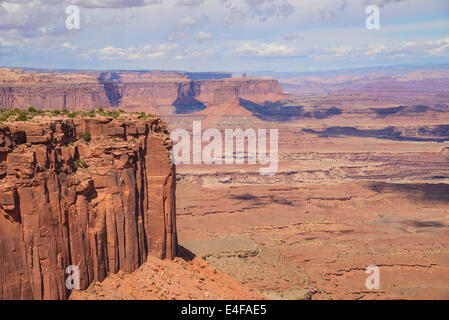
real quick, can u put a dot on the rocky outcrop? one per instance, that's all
(96, 193)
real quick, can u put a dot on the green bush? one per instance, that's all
(30, 112)
(79, 164)
(22, 117)
(113, 113)
(86, 136)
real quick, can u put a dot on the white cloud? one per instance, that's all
(441, 47)
(376, 50)
(261, 49)
(68, 45)
(132, 53)
(260, 9)
(187, 22)
(190, 22)
(418, 48)
(204, 36)
(341, 51)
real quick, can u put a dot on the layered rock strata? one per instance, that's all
(51, 92)
(96, 193)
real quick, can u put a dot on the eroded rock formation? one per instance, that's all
(102, 202)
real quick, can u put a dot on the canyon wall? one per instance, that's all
(252, 89)
(48, 96)
(102, 203)
(154, 93)
(134, 95)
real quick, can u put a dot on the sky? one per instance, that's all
(222, 35)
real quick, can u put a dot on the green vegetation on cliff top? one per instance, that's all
(12, 115)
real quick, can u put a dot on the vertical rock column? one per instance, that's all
(161, 224)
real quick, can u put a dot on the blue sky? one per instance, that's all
(223, 35)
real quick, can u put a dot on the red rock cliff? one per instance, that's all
(45, 96)
(102, 205)
(81, 92)
(256, 90)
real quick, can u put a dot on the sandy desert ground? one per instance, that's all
(342, 200)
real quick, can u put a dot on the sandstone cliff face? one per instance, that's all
(44, 96)
(256, 90)
(102, 205)
(154, 93)
(138, 95)
(209, 92)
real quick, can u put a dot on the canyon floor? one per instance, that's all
(341, 200)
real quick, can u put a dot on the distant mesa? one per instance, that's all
(283, 111)
(160, 92)
(431, 133)
(383, 112)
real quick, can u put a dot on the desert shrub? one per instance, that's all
(22, 117)
(113, 113)
(101, 112)
(78, 163)
(87, 136)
